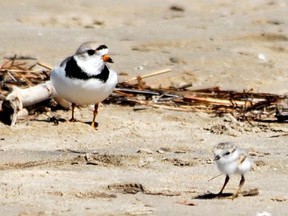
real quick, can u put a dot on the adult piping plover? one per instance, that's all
(231, 160)
(84, 78)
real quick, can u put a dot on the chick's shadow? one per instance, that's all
(213, 196)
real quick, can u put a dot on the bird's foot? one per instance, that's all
(234, 196)
(72, 120)
(94, 125)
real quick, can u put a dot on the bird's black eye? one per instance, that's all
(227, 153)
(91, 52)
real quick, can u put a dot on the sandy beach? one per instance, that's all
(153, 161)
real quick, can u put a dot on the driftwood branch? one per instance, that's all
(14, 104)
(32, 95)
(19, 98)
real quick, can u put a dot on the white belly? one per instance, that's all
(227, 168)
(82, 92)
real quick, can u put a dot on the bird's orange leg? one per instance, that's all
(72, 118)
(95, 112)
(242, 181)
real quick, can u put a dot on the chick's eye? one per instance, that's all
(227, 153)
(91, 52)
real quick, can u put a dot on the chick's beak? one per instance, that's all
(106, 58)
(217, 157)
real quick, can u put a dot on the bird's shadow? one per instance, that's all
(57, 120)
(247, 193)
(53, 119)
(213, 196)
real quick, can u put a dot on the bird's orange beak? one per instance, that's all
(106, 58)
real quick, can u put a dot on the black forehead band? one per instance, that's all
(101, 47)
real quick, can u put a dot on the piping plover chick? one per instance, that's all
(85, 78)
(231, 160)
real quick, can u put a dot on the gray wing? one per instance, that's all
(65, 61)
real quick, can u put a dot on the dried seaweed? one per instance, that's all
(22, 72)
(244, 106)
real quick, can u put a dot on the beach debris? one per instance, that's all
(24, 84)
